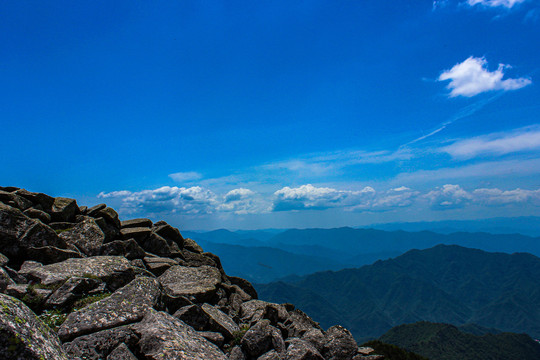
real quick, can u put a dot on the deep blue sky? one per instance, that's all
(275, 113)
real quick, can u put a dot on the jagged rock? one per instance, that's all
(24, 336)
(86, 236)
(3, 260)
(220, 322)
(60, 226)
(116, 271)
(194, 316)
(38, 214)
(16, 290)
(198, 283)
(255, 310)
(121, 352)
(271, 355)
(94, 210)
(51, 254)
(316, 338)
(43, 200)
(196, 259)
(136, 223)
(9, 188)
(110, 215)
(5, 280)
(15, 200)
(340, 344)
(100, 344)
(158, 265)
(244, 285)
(64, 209)
(137, 233)
(18, 233)
(192, 246)
(262, 337)
(164, 337)
(237, 354)
(169, 233)
(124, 306)
(365, 350)
(214, 337)
(128, 248)
(70, 291)
(155, 244)
(299, 323)
(298, 349)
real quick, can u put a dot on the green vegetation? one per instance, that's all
(238, 335)
(392, 352)
(85, 301)
(53, 318)
(59, 231)
(447, 342)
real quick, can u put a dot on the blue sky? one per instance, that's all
(275, 113)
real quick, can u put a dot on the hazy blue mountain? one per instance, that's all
(447, 342)
(525, 225)
(449, 284)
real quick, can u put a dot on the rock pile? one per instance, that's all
(78, 283)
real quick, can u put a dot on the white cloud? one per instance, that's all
(471, 77)
(243, 201)
(114, 194)
(518, 140)
(454, 196)
(185, 176)
(495, 3)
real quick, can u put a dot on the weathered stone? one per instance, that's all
(38, 214)
(29, 265)
(194, 316)
(301, 350)
(111, 231)
(192, 246)
(196, 259)
(99, 345)
(164, 337)
(3, 260)
(316, 338)
(198, 283)
(124, 306)
(244, 285)
(16, 290)
(5, 280)
(116, 271)
(14, 200)
(70, 291)
(18, 233)
(260, 338)
(137, 233)
(255, 310)
(155, 244)
(237, 354)
(220, 322)
(340, 344)
(169, 233)
(93, 211)
(365, 350)
(24, 336)
(9, 188)
(83, 209)
(214, 337)
(135, 223)
(121, 352)
(299, 323)
(44, 200)
(60, 226)
(51, 254)
(158, 265)
(86, 236)
(271, 355)
(64, 209)
(110, 215)
(130, 249)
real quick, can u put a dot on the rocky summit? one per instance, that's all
(79, 283)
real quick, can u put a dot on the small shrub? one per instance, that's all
(85, 301)
(53, 318)
(238, 335)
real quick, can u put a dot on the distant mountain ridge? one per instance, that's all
(449, 284)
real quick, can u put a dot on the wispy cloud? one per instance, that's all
(185, 176)
(471, 77)
(518, 140)
(495, 3)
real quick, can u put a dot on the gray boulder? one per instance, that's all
(116, 271)
(316, 338)
(197, 283)
(158, 265)
(87, 236)
(255, 310)
(244, 285)
(5, 280)
(164, 337)
(214, 337)
(340, 344)
(38, 214)
(14, 200)
(99, 345)
(39, 199)
(194, 316)
(136, 223)
(137, 233)
(261, 338)
(271, 355)
(73, 289)
(299, 323)
(220, 322)
(64, 209)
(124, 306)
(301, 350)
(24, 336)
(121, 352)
(128, 248)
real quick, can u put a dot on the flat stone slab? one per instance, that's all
(164, 337)
(116, 271)
(24, 336)
(196, 282)
(124, 306)
(136, 223)
(86, 236)
(220, 322)
(137, 233)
